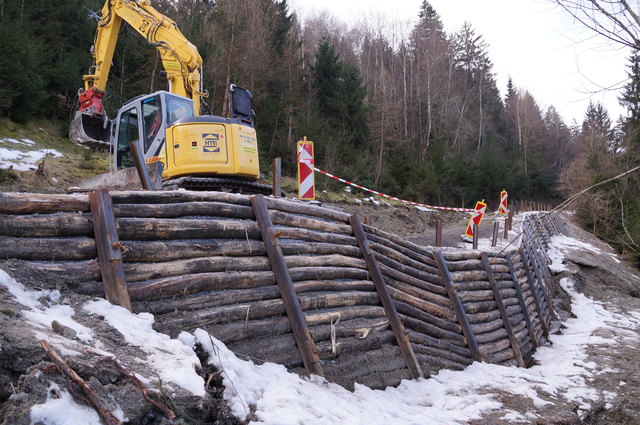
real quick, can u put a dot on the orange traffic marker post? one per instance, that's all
(502, 209)
(476, 217)
(306, 183)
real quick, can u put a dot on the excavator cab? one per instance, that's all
(164, 128)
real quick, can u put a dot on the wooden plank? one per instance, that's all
(503, 312)
(402, 335)
(463, 320)
(520, 297)
(107, 245)
(301, 334)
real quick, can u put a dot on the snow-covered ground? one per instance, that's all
(19, 160)
(451, 397)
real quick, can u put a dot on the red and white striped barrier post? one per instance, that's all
(306, 182)
(476, 217)
(502, 209)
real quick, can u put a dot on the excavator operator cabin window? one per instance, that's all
(128, 131)
(152, 119)
(178, 108)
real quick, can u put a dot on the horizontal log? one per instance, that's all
(422, 305)
(419, 314)
(318, 317)
(318, 248)
(182, 228)
(184, 209)
(327, 350)
(443, 354)
(314, 301)
(314, 236)
(469, 296)
(434, 364)
(146, 271)
(392, 254)
(486, 327)
(432, 278)
(69, 272)
(263, 346)
(475, 285)
(327, 273)
(46, 225)
(455, 337)
(413, 251)
(494, 347)
(460, 255)
(426, 340)
(284, 219)
(418, 283)
(32, 203)
(329, 285)
(484, 317)
(306, 209)
(418, 292)
(176, 196)
(208, 299)
(505, 357)
(361, 328)
(488, 337)
(476, 307)
(158, 251)
(156, 289)
(241, 330)
(48, 249)
(468, 275)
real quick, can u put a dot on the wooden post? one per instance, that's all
(510, 219)
(507, 227)
(496, 228)
(141, 166)
(402, 335)
(438, 232)
(277, 176)
(292, 306)
(109, 256)
(523, 306)
(501, 308)
(475, 236)
(445, 276)
(536, 298)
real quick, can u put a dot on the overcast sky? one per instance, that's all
(544, 50)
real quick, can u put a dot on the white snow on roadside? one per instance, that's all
(61, 409)
(23, 161)
(174, 361)
(24, 141)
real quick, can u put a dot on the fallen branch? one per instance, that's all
(90, 395)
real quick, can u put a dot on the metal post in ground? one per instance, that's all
(277, 175)
(438, 232)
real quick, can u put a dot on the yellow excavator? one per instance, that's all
(197, 152)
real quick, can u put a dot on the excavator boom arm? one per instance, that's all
(180, 58)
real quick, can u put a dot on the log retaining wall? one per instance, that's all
(347, 301)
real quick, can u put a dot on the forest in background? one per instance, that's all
(416, 114)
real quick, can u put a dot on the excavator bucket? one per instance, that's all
(89, 130)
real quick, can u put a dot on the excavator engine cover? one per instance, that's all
(211, 145)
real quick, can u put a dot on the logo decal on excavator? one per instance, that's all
(210, 143)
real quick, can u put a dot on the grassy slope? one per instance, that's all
(76, 163)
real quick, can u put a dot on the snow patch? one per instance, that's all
(61, 409)
(174, 361)
(24, 161)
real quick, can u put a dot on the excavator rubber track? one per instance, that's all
(220, 184)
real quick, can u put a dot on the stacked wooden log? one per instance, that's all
(199, 259)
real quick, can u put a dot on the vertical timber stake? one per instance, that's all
(536, 298)
(463, 320)
(402, 335)
(290, 299)
(501, 308)
(109, 256)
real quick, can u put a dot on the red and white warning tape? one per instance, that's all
(416, 204)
